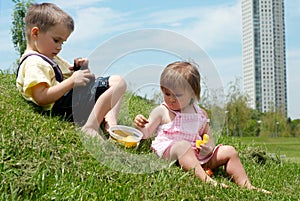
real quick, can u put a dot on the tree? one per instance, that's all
(295, 127)
(275, 123)
(18, 25)
(238, 112)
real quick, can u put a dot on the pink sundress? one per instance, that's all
(185, 126)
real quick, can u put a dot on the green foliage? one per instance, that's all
(239, 113)
(44, 158)
(18, 25)
(244, 121)
(275, 124)
(251, 129)
(295, 127)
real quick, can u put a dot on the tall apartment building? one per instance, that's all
(264, 60)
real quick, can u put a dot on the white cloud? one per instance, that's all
(293, 82)
(218, 27)
(292, 7)
(95, 22)
(75, 4)
(210, 26)
(7, 40)
(229, 68)
(8, 54)
(293, 54)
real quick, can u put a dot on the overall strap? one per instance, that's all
(57, 71)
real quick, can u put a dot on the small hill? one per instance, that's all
(45, 158)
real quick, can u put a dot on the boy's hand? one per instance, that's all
(82, 77)
(140, 121)
(80, 64)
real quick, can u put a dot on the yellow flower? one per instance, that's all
(198, 143)
(205, 138)
(204, 141)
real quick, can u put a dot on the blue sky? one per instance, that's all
(215, 26)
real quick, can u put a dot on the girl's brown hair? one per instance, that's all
(181, 74)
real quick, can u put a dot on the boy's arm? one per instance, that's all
(44, 95)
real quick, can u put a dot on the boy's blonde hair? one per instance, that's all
(44, 16)
(181, 74)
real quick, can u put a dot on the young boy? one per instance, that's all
(47, 27)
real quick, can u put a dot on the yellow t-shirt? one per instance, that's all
(35, 70)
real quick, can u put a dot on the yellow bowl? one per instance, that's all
(129, 141)
(125, 135)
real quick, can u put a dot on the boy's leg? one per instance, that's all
(108, 100)
(111, 117)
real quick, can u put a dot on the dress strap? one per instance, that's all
(175, 112)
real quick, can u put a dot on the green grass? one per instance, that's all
(288, 148)
(45, 158)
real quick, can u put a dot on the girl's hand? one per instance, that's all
(205, 149)
(140, 121)
(82, 77)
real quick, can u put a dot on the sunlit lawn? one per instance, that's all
(286, 147)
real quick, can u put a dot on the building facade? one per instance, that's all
(264, 58)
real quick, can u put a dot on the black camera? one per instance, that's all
(76, 65)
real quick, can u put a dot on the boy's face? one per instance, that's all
(50, 43)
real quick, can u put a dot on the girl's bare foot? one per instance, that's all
(263, 190)
(215, 184)
(260, 190)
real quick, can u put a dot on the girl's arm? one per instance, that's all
(211, 141)
(207, 131)
(206, 149)
(148, 126)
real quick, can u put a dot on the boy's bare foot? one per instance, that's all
(90, 132)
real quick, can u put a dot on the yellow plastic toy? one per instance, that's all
(203, 141)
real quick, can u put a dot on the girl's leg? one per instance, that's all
(109, 99)
(228, 156)
(184, 153)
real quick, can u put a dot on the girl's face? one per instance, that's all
(50, 42)
(177, 99)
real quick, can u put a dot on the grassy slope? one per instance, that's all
(43, 158)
